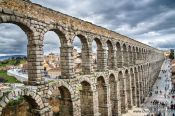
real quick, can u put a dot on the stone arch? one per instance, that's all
(125, 54)
(66, 106)
(134, 54)
(86, 99)
(34, 100)
(102, 96)
(100, 54)
(137, 52)
(22, 23)
(110, 54)
(62, 95)
(34, 74)
(128, 88)
(60, 33)
(119, 55)
(130, 55)
(86, 51)
(123, 97)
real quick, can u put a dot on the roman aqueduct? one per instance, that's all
(125, 72)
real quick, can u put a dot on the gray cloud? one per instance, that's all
(148, 21)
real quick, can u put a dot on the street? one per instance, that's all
(160, 98)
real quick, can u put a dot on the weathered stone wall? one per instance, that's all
(125, 72)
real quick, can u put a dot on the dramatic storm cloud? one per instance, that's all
(148, 21)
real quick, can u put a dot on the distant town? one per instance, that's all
(13, 69)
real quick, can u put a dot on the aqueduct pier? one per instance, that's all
(125, 72)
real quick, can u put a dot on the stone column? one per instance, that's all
(129, 92)
(130, 58)
(119, 55)
(108, 100)
(124, 96)
(118, 99)
(138, 88)
(95, 101)
(102, 60)
(125, 58)
(113, 60)
(134, 88)
(141, 86)
(86, 60)
(66, 62)
(134, 57)
(76, 106)
(35, 61)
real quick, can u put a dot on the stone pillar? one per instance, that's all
(129, 91)
(134, 90)
(113, 60)
(134, 57)
(76, 107)
(102, 60)
(118, 99)
(66, 62)
(35, 61)
(130, 58)
(95, 101)
(108, 100)
(119, 59)
(86, 60)
(141, 86)
(138, 88)
(123, 96)
(125, 58)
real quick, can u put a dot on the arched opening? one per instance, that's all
(113, 95)
(125, 55)
(102, 96)
(130, 58)
(134, 55)
(119, 55)
(14, 39)
(51, 48)
(66, 108)
(86, 99)
(94, 55)
(137, 52)
(61, 102)
(110, 56)
(133, 87)
(122, 93)
(128, 89)
(142, 53)
(21, 106)
(81, 55)
(100, 54)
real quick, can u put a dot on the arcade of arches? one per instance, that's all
(126, 69)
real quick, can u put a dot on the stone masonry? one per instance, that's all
(125, 71)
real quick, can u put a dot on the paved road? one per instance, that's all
(161, 92)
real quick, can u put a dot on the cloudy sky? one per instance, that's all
(148, 21)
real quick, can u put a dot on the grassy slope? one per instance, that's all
(11, 62)
(8, 79)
